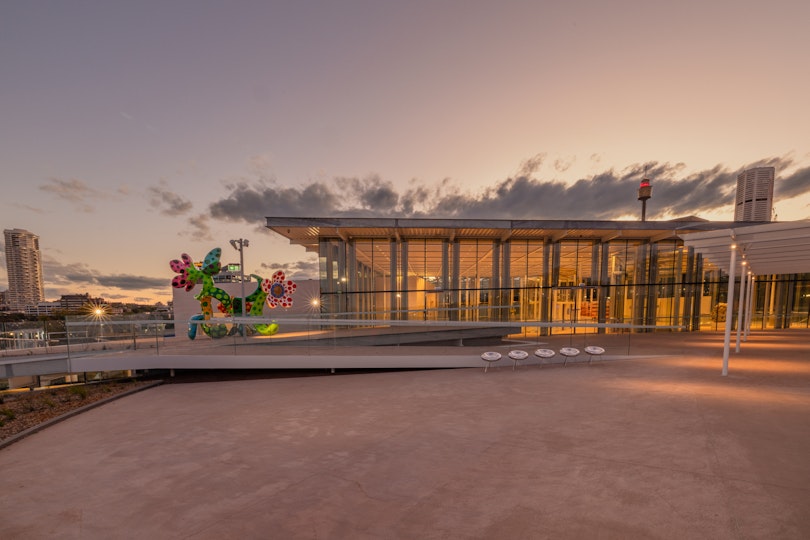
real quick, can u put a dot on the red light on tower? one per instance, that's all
(644, 193)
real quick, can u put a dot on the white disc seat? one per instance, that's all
(593, 350)
(490, 357)
(545, 354)
(516, 356)
(569, 352)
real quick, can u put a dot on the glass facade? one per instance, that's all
(641, 282)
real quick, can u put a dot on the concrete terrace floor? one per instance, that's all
(653, 445)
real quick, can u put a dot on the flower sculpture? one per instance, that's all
(279, 290)
(276, 291)
(184, 280)
(189, 275)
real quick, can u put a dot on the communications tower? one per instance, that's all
(644, 193)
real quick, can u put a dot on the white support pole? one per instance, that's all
(729, 306)
(748, 317)
(741, 308)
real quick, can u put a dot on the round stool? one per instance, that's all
(545, 354)
(516, 356)
(490, 357)
(569, 352)
(593, 350)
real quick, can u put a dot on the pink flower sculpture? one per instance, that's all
(189, 274)
(279, 290)
(184, 280)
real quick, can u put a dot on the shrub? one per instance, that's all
(80, 391)
(8, 413)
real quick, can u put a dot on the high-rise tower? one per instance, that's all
(24, 265)
(754, 200)
(644, 194)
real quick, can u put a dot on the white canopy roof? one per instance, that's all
(769, 248)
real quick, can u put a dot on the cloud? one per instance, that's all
(131, 282)
(355, 197)
(562, 165)
(79, 275)
(372, 193)
(603, 196)
(74, 191)
(252, 203)
(532, 165)
(261, 165)
(168, 202)
(28, 208)
(793, 185)
(199, 228)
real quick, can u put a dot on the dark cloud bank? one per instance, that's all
(71, 276)
(608, 195)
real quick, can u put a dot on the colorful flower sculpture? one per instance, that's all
(183, 281)
(279, 290)
(276, 292)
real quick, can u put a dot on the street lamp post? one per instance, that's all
(239, 245)
(98, 313)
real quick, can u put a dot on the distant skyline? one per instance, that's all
(134, 132)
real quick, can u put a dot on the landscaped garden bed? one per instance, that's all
(22, 410)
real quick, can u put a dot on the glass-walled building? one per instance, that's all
(563, 272)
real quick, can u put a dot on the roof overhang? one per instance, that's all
(769, 248)
(308, 232)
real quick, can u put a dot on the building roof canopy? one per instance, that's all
(769, 248)
(308, 231)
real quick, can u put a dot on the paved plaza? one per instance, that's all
(648, 442)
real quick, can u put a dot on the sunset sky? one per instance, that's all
(133, 132)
